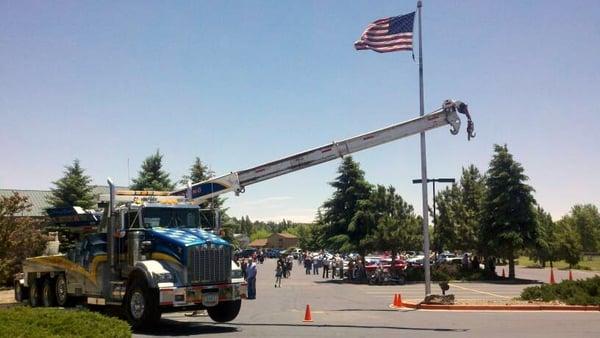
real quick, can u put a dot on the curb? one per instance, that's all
(498, 307)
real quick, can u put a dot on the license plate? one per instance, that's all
(210, 298)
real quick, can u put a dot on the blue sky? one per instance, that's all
(241, 83)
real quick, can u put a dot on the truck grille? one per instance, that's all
(209, 264)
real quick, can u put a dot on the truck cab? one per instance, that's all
(147, 254)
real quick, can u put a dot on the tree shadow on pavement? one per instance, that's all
(348, 326)
(168, 327)
(330, 281)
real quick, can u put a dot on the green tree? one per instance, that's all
(448, 214)
(259, 234)
(508, 215)
(472, 186)
(20, 237)
(73, 189)
(200, 172)
(569, 248)
(350, 187)
(246, 226)
(586, 220)
(459, 209)
(152, 176)
(392, 222)
(546, 247)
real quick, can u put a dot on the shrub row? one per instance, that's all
(447, 272)
(578, 292)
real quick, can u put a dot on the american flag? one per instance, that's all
(388, 35)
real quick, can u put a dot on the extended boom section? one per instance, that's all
(237, 181)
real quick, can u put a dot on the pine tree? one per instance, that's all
(459, 210)
(508, 215)
(73, 189)
(200, 172)
(586, 221)
(472, 187)
(391, 222)
(152, 176)
(448, 203)
(546, 248)
(350, 187)
(569, 248)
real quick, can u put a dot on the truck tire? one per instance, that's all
(225, 311)
(48, 292)
(60, 288)
(21, 292)
(141, 304)
(35, 294)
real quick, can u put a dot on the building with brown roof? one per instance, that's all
(258, 243)
(282, 241)
(279, 240)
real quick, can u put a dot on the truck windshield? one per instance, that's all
(171, 217)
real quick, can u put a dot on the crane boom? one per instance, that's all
(237, 181)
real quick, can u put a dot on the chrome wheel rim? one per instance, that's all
(33, 295)
(18, 292)
(137, 304)
(61, 291)
(46, 291)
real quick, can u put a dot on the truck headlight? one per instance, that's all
(236, 273)
(162, 277)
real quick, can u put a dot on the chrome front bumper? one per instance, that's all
(207, 295)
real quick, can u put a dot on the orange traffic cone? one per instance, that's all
(552, 281)
(570, 275)
(395, 302)
(503, 274)
(398, 302)
(307, 315)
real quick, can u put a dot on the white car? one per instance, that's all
(238, 277)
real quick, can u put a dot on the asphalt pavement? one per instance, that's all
(358, 310)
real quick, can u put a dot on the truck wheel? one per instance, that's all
(60, 288)
(48, 293)
(35, 294)
(141, 304)
(225, 311)
(21, 292)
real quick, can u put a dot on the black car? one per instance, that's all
(246, 253)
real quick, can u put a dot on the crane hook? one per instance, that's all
(462, 108)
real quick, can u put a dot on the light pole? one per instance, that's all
(433, 180)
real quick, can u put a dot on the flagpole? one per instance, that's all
(424, 164)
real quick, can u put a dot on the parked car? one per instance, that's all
(273, 253)
(448, 258)
(379, 270)
(238, 277)
(247, 253)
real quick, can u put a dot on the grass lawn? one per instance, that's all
(586, 263)
(22, 321)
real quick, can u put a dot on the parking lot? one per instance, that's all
(359, 310)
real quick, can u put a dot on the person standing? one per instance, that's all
(244, 266)
(333, 267)
(316, 263)
(278, 274)
(325, 267)
(251, 279)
